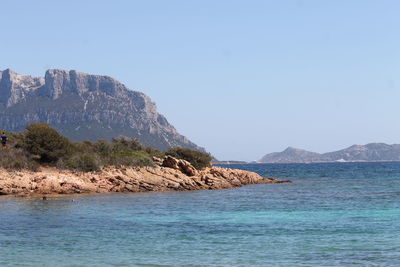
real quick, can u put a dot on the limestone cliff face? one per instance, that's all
(84, 107)
(14, 87)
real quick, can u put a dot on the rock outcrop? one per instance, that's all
(179, 164)
(128, 179)
(84, 107)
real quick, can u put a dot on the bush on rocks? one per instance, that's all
(82, 162)
(17, 159)
(126, 144)
(41, 144)
(130, 158)
(45, 142)
(199, 160)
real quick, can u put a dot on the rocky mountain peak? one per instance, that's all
(84, 107)
(292, 149)
(59, 81)
(290, 154)
(378, 146)
(14, 86)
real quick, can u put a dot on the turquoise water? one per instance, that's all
(340, 214)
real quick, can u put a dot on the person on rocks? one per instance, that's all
(4, 139)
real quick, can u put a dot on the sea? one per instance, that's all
(333, 214)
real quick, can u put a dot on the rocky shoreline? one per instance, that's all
(169, 174)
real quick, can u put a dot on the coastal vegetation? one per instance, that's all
(199, 160)
(41, 145)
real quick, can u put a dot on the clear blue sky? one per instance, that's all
(241, 78)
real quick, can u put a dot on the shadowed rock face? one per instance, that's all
(84, 107)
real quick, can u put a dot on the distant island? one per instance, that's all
(355, 153)
(228, 162)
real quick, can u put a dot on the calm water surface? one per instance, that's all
(340, 214)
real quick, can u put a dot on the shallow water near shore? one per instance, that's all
(333, 214)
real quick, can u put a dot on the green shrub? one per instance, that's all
(82, 162)
(199, 160)
(16, 158)
(83, 147)
(130, 158)
(154, 152)
(126, 144)
(45, 142)
(102, 147)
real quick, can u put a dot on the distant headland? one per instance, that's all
(355, 153)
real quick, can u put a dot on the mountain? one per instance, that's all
(84, 107)
(290, 154)
(369, 152)
(228, 162)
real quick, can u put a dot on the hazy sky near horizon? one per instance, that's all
(241, 78)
